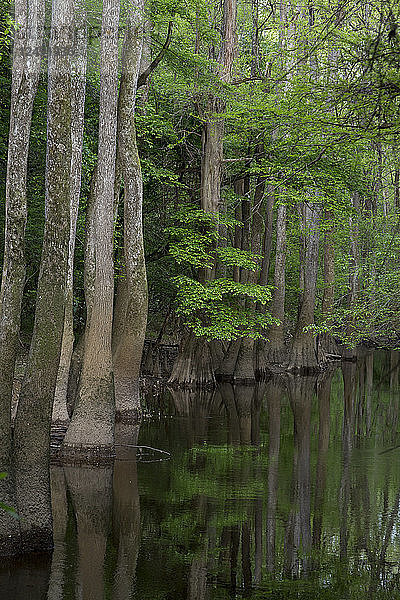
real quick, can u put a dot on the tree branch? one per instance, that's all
(145, 75)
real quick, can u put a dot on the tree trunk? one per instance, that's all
(238, 364)
(210, 197)
(265, 251)
(130, 317)
(354, 262)
(304, 355)
(29, 23)
(327, 342)
(60, 414)
(193, 366)
(89, 278)
(32, 424)
(397, 188)
(197, 578)
(74, 376)
(275, 350)
(92, 425)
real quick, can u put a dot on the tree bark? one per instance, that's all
(354, 262)
(275, 350)
(327, 342)
(130, 315)
(238, 364)
(265, 250)
(92, 424)
(89, 278)
(32, 424)
(210, 195)
(304, 355)
(60, 413)
(194, 365)
(29, 23)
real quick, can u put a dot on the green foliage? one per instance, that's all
(310, 129)
(219, 308)
(235, 257)
(6, 29)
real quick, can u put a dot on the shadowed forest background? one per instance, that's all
(220, 178)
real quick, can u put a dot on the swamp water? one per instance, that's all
(287, 490)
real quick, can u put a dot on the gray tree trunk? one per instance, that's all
(29, 21)
(60, 414)
(354, 259)
(92, 424)
(327, 341)
(32, 424)
(184, 372)
(130, 314)
(193, 366)
(276, 352)
(304, 352)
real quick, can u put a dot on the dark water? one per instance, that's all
(289, 490)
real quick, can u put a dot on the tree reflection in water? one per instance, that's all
(289, 489)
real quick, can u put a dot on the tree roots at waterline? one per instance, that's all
(194, 366)
(270, 357)
(306, 356)
(201, 363)
(90, 435)
(237, 365)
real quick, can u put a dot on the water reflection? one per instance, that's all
(274, 393)
(126, 511)
(60, 519)
(289, 489)
(25, 577)
(90, 490)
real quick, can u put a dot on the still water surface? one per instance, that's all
(287, 490)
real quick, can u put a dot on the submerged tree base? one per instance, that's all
(94, 455)
(36, 539)
(129, 416)
(10, 545)
(305, 370)
(222, 378)
(194, 366)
